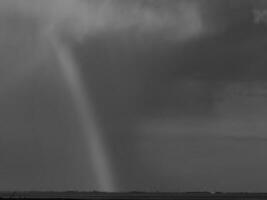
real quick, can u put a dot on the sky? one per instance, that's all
(178, 88)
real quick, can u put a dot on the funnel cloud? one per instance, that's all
(130, 95)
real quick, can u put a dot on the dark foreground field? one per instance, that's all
(133, 195)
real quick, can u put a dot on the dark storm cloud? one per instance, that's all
(168, 108)
(40, 139)
(81, 17)
(131, 57)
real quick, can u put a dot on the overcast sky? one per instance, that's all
(178, 87)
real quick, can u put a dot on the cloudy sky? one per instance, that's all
(178, 89)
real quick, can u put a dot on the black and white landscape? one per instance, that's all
(133, 95)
